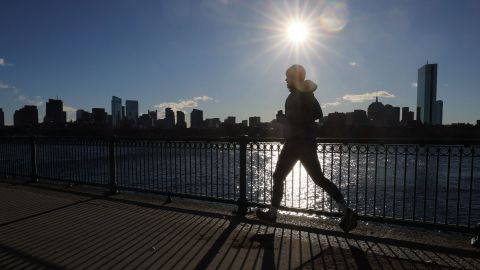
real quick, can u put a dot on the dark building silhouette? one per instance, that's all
(99, 117)
(153, 115)
(145, 121)
(196, 118)
(391, 115)
(169, 121)
(254, 121)
(336, 119)
(26, 116)
(407, 116)
(429, 111)
(2, 118)
(131, 111)
(116, 111)
(54, 114)
(244, 123)
(84, 117)
(376, 112)
(357, 118)
(212, 122)
(230, 121)
(181, 120)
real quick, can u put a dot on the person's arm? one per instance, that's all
(293, 109)
(318, 114)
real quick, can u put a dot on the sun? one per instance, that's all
(297, 31)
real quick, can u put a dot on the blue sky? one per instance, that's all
(228, 57)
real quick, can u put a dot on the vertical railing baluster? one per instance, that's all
(437, 169)
(242, 201)
(113, 170)
(394, 182)
(460, 159)
(33, 160)
(365, 198)
(472, 152)
(385, 167)
(415, 183)
(405, 163)
(448, 184)
(427, 149)
(375, 182)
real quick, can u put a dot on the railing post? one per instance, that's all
(242, 200)
(113, 169)
(33, 160)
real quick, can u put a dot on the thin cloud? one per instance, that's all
(414, 84)
(71, 112)
(367, 96)
(181, 105)
(331, 104)
(37, 101)
(2, 62)
(353, 64)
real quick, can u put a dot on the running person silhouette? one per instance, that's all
(302, 110)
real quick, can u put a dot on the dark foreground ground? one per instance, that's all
(52, 227)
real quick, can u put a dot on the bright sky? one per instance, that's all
(228, 57)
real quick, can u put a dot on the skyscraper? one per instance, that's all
(254, 121)
(116, 111)
(169, 121)
(54, 113)
(99, 117)
(438, 112)
(26, 116)
(181, 120)
(196, 118)
(131, 110)
(2, 118)
(427, 95)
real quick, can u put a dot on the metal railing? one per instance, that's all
(434, 185)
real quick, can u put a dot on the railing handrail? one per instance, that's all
(374, 140)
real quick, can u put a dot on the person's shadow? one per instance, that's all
(266, 242)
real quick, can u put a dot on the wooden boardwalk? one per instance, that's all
(52, 227)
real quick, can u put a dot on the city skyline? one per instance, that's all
(204, 55)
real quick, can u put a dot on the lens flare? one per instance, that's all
(334, 17)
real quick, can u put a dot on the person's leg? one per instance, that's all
(286, 160)
(310, 161)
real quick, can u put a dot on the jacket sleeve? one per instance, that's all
(293, 111)
(318, 114)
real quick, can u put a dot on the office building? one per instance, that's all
(153, 115)
(181, 120)
(196, 118)
(254, 121)
(145, 121)
(116, 111)
(54, 114)
(438, 112)
(357, 118)
(131, 111)
(429, 112)
(376, 111)
(244, 123)
(169, 121)
(99, 117)
(83, 117)
(2, 118)
(26, 116)
(391, 115)
(230, 121)
(212, 122)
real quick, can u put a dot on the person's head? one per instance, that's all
(295, 76)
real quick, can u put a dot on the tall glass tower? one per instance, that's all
(427, 94)
(116, 111)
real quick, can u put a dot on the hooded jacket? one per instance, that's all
(301, 111)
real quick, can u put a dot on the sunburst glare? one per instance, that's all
(300, 33)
